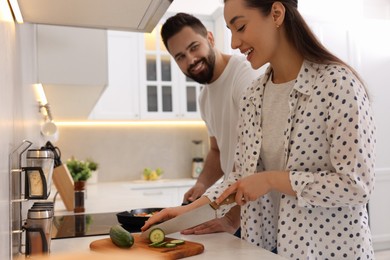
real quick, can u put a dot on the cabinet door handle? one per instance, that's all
(152, 193)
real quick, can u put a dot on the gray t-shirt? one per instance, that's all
(275, 111)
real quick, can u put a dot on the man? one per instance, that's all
(225, 77)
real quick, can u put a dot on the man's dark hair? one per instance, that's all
(176, 23)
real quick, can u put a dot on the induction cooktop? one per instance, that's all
(82, 225)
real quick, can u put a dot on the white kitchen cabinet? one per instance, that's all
(133, 74)
(120, 101)
(162, 196)
(159, 197)
(164, 92)
(188, 97)
(144, 81)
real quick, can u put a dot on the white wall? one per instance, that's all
(19, 118)
(6, 83)
(124, 151)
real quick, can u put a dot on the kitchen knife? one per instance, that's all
(191, 218)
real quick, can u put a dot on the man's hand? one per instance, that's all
(212, 226)
(195, 192)
(211, 173)
(228, 223)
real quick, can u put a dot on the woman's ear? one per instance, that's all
(278, 12)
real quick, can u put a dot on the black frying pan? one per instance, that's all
(135, 219)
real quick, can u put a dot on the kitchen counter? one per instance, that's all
(217, 246)
(161, 183)
(120, 196)
(126, 195)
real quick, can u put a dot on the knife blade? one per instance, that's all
(191, 218)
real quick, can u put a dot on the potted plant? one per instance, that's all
(79, 170)
(93, 166)
(80, 173)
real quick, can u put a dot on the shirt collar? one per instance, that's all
(304, 83)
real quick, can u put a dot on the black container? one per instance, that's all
(135, 219)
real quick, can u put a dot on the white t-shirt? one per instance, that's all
(219, 103)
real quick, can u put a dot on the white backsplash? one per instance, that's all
(124, 151)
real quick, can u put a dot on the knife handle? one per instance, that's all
(230, 199)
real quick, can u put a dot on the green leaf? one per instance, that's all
(79, 170)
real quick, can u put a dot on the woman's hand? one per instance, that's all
(252, 187)
(162, 216)
(248, 188)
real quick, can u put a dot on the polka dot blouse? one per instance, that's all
(329, 146)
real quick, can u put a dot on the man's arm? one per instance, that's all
(211, 173)
(228, 223)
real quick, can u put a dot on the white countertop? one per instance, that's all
(217, 246)
(120, 196)
(163, 183)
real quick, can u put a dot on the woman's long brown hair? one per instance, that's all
(299, 33)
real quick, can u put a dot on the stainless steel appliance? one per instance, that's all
(39, 170)
(38, 230)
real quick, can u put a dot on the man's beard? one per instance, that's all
(207, 74)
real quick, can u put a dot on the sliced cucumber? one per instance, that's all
(170, 245)
(157, 235)
(159, 244)
(177, 241)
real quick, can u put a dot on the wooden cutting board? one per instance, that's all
(141, 245)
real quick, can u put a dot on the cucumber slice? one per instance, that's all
(157, 235)
(159, 244)
(177, 241)
(170, 245)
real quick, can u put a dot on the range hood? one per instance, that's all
(125, 15)
(71, 102)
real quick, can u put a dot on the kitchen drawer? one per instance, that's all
(157, 197)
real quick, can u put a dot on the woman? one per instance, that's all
(304, 165)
